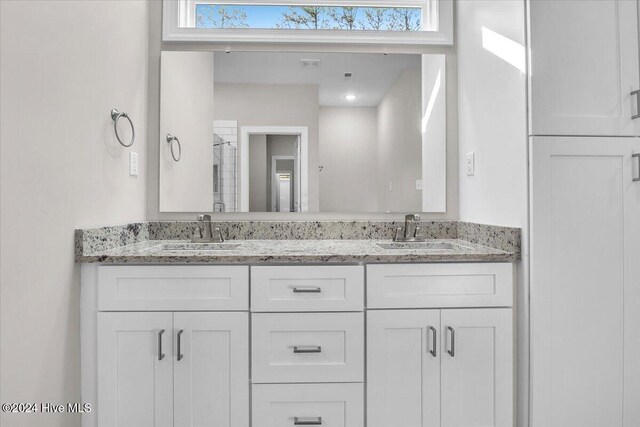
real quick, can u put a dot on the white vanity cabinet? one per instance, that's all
(585, 64)
(434, 367)
(166, 369)
(180, 346)
(167, 363)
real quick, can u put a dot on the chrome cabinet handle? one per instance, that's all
(637, 94)
(452, 350)
(307, 421)
(637, 156)
(307, 349)
(160, 353)
(434, 336)
(180, 355)
(307, 290)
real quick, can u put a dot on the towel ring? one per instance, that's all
(170, 139)
(115, 116)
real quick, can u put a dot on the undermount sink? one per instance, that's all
(423, 246)
(197, 247)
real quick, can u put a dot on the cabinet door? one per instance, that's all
(211, 369)
(584, 66)
(403, 368)
(135, 370)
(477, 368)
(585, 282)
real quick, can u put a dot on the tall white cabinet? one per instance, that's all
(585, 67)
(585, 282)
(584, 213)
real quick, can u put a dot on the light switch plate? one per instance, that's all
(418, 184)
(471, 164)
(133, 163)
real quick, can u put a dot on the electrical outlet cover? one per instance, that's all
(471, 164)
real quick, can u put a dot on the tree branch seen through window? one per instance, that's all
(349, 18)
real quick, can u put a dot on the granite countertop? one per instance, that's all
(297, 251)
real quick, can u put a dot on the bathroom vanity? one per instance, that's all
(298, 332)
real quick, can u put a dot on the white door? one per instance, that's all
(477, 367)
(135, 370)
(403, 368)
(585, 282)
(584, 66)
(211, 369)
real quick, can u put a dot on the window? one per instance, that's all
(322, 21)
(349, 18)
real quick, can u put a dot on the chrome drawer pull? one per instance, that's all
(452, 349)
(307, 349)
(434, 336)
(307, 421)
(309, 290)
(637, 157)
(180, 355)
(637, 94)
(160, 353)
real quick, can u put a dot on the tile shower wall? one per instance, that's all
(225, 169)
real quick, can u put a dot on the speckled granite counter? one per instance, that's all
(297, 251)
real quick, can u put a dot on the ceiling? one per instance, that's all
(373, 73)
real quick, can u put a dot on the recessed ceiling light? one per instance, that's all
(310, 63)
(350, 97)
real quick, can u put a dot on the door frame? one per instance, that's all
(243, 160)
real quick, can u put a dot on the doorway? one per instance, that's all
(284, 171)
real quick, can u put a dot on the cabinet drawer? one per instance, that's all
(326, 405)
(439, 285)
(307, 347)
(174, 287)
(335, 288)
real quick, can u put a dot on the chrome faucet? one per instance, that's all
(405, 235)
(206, 233)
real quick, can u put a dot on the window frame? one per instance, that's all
(440, 13)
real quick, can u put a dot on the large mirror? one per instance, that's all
(302, 132)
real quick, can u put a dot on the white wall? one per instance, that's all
(348, 141)
(400, 143)
(258, 177)
(186, 112)
(434, 133)
(491, 115)
(492, 123)
(63, 67)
